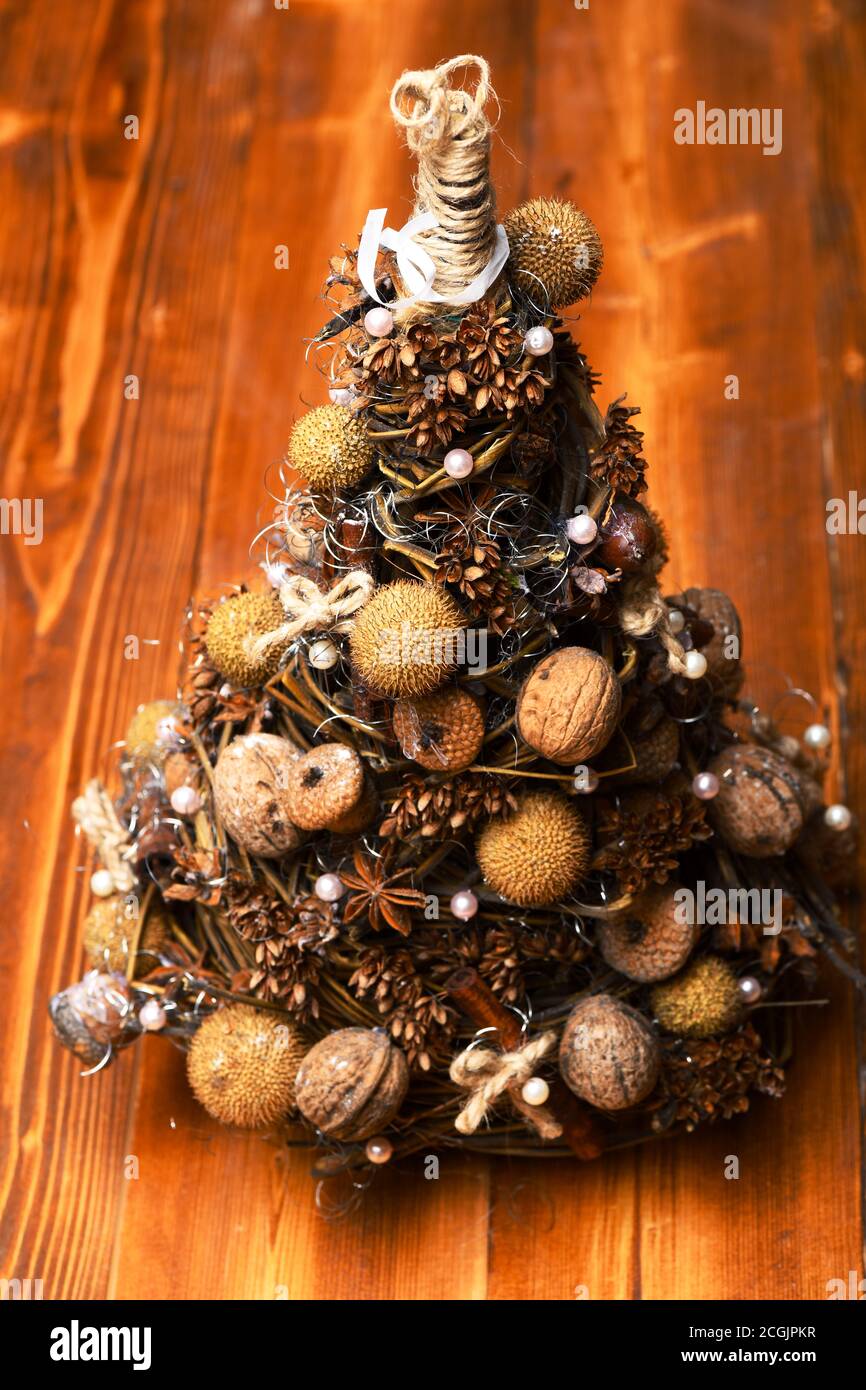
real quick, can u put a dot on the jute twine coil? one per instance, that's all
(449, 134)
(489, 1074)
(307, 609)
(643, 612)
(94, 812)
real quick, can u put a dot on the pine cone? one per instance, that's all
(644, 835)
(417, 1020)
(705, 1081)
(618, 463)
(432, 809)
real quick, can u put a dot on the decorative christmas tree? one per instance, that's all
(459, 831)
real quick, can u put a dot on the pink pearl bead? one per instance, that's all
(152, 1016)
(379, 322)
(341, 395)
(538, 341)
(750, 989)
(186, 801)
(705, 785)
(464, 904)
(581, 529)
(379, 1150)
(167, 732)
(329, 887)
(458, 463)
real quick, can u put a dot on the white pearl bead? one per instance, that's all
(838, 817)
(705, 785)
(817, 736)
(750, 989)
(379, 322)
(581, 529)
(676, 620)
(101, 883)
(186, 801)
(329, 887)
(342, 395)
(696, 665)
(464, 904)
(535, 1091)
(167, 732)
(538, 341)
(458, 463)
(322, 654)
(152, 1016)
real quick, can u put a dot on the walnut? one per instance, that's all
(758, 810)
(351, 1084)
(569, 705)
(649, 940)
(724, 669)
(609, 1055)
(250, 789)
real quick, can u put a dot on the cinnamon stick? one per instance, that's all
(580, 1128)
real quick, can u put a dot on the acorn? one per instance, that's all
(109, 931)
(758, 809)
(443, 732)
(539, 854)
(569, 705)
(555, 251)
(704, 1000)
(330, 448)
(628, 536)
(656, 754)
(609, 1054)
(649, 940)
(352, 1083)
(251, 781)
(143, 740)
(723, 648)
(327, 789)
(242, 1063)
(406, 639)
(231, 632)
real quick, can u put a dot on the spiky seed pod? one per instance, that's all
(655, 754)
(109, 932)
(233, 627)
(242, 1065)
(555, 243)
(650, 940)
(539, 854)
(250, 794)
(142, 743)
(758, 809)
(609, 1055)
(702, 1001)
(330, 448)
(443, 732)
(569, 705)
(406, 639)
(352, 1083)
(325, 786)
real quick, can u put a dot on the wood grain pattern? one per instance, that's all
(155, 257)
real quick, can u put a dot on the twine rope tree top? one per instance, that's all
(449, 134)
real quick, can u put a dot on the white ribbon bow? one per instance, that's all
(416, 266)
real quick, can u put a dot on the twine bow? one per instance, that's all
(643, 611)
(307, 609)
(94, 812)
(489, 1074)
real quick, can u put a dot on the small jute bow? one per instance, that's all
(95, 813)
(307, 609)
(489, 1074)
(643, 612)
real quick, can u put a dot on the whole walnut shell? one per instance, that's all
(649, 940)
(251, 780)
(609, 1054)
(569, 705)
(351, 1084)
(758, 810)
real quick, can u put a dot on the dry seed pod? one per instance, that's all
(142, 738)
(109, 931)
(181, 770)
(705, 999)
(758, 808)
(724, 649)
(352, 1083)
(406, 639)
(330, 448)
(325, 787)
(242, 1064)
(609, 1055)
(569, 705)
(649, 940)
(231, 632)
(539, 854)
(443, 732)
(656, 754)
(628, 537)
(251, 781)
(555, 251)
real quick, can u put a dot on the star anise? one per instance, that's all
(380, 896)
(705, 1081)
(645, 831)
(196, 877)
(619, 463)
(441, 809)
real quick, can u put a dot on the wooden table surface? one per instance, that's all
(261, 126)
